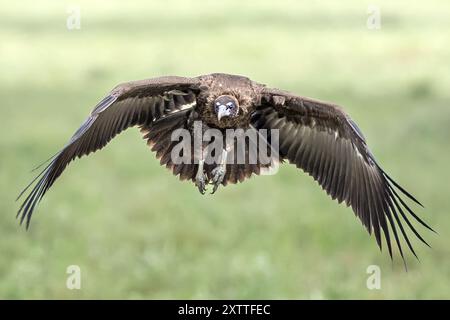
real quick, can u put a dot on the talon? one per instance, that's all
(216, 186)
(201, 178)
(218, 173)
(200, 182)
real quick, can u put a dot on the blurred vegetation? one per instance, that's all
(136, 231)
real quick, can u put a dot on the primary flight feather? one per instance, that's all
(317, 137)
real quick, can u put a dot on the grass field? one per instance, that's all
(137, 232)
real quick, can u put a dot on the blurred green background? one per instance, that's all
(136, 231)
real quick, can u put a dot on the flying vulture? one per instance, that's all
(317, 137)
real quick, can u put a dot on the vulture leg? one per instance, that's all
(218, 173)
(201, 178)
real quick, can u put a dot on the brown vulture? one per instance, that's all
(317, 137)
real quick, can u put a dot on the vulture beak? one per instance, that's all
(222, 112)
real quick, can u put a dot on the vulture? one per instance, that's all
(317, 137)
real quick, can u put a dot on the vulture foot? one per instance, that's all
(218, 173)
(201, 179)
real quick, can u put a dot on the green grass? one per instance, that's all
(137, 232)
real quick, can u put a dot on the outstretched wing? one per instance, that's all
(127, 105)
(323, 141)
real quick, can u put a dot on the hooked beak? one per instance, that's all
(222, 112)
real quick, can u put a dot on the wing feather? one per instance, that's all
(324, 142)
(129, 104)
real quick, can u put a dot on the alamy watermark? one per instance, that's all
(73, 21)
(234, 146)
(373, 282)
(374, 19)
(74, 279)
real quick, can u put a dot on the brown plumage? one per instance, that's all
(317, 137)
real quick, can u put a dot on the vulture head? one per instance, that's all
(226, 106)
